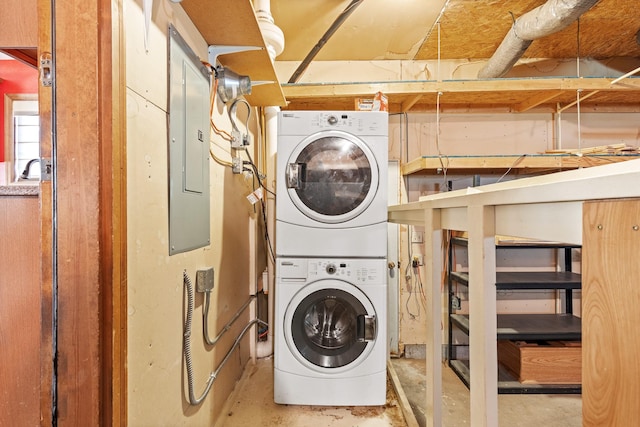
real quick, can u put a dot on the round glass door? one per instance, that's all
(332, 177)
(330, 328)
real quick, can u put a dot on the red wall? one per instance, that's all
(16, 78)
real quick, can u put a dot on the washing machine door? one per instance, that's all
(330, 325)
(332, 176)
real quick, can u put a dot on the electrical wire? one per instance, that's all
(514, 164)
(440, 156)
(408, 276)
(219, 160)
(257, 173)
(258, 176)
(212, 102)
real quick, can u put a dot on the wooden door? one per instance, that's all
(20, 261)
(89, 204)
(610, 315)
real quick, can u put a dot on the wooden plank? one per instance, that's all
(81, 289)
(553, 362)
(522, 163)
(113, 225)
(19, 310)
(19, 24)
(293, 91)
(482, 314)
(234, 24)
(537, 100)
(611, 341)
(433, 284)
(512, 94)
(45, 103)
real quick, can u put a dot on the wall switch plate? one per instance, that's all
(204, 280)
(417, 237)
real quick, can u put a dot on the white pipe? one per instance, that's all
(624, 76)
(265, 348)
(272, 34)
(542, 21)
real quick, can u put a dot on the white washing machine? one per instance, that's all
(330, 347)
(332, 184)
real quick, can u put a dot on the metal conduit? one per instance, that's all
(323, 40)
(193, 400)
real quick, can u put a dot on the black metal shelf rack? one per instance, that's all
(561, 326)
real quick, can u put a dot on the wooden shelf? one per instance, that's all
(234, 24)
(515, 95)
(519, 164)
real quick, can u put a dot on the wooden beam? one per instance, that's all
(496, 164)
(307, 90)
(82, 216)
(571, 104)
(27, 56)
(45, 104)
(537, 100)
(433, 284)
(482, 315)
(406, 105)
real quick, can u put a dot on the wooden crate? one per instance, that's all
(542, 362)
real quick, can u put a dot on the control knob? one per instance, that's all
(331, 268)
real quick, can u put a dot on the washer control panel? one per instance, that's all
(358, 271)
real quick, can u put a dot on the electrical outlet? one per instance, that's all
(417, 237)
(204, 280)
(236, 164)
(236, 139)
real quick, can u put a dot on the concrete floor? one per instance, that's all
(251, 404)
(520, 410)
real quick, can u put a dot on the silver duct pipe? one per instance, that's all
(549, 18)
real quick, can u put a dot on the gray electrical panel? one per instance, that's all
(189, 211)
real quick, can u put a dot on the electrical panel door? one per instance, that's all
(189, 206)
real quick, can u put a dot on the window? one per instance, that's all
(22, 126)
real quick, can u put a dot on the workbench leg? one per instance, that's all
(482, 317)
(433, 280)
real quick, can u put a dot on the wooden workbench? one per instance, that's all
(548, 207)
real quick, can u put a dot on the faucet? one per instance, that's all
(27, 168)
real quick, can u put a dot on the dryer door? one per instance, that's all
(330, 324)
(332, 177)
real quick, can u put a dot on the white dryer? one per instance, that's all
(332, 184)
(330, 348)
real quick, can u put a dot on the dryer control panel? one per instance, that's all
(354, 122)
(360, 271)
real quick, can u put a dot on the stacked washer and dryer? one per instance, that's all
(331, 248)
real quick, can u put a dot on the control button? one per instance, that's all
(331, 268)
(332, 120)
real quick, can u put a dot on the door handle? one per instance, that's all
(366, 328)
(295, 175)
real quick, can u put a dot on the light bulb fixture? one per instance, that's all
(231, 85)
